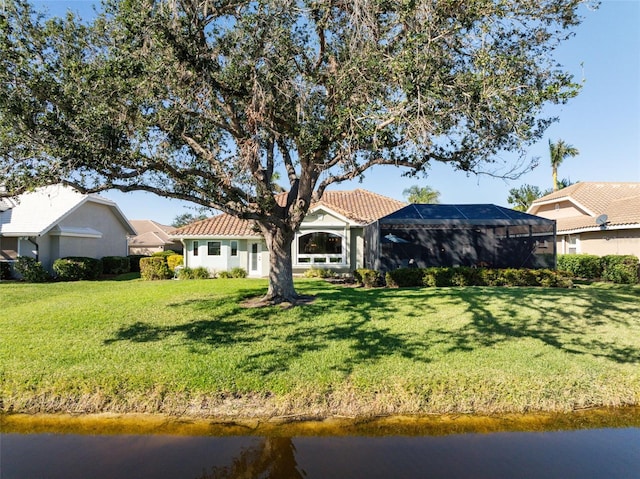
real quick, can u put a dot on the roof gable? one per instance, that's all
(619, 201)
(35, 213)
(358, 206)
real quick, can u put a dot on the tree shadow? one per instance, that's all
(567, 320)
(366, 322)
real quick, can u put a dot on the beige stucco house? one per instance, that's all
(331, 236)
(152, 238)
(594, 217)
(57, 221)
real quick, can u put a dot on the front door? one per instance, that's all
(255, 259)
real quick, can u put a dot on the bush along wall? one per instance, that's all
(462, 276)
(622, 269)
(134, 262)
(154, 267)
(116, 265)
(31, 270)
(76, 268)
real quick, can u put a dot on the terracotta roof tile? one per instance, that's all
(361, 206)
(358, 205)
(619, 201)
(220, 225)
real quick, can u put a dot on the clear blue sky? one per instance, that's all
(603, 122)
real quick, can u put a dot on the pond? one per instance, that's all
(381, 451)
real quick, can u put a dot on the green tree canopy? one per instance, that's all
(205, 100)
(424, 194)
(521, 198)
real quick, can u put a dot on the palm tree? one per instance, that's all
(558, 152)
(416, 194)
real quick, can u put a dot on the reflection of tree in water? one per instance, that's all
(272, 458)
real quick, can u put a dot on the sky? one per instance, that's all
(602, 122)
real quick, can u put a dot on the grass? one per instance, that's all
(189, 347)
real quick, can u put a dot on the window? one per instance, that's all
(320, 248)
(234, 248)
(195, 248)
(573, 245)
(213, 248)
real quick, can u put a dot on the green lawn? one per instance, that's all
(189, 347)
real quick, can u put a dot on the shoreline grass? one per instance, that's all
(189, 348)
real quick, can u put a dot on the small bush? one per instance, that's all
(438, 277)
(153, 268)
(238, 272)
(76, 268)
(404, 278)
(134, 262)
(319, 273)
(368, 278)
(173, 261)
(196, 273)
(31, 270)
(621, 269)
(163, 254)
(5, 270)
(116, 265)
(586, 266)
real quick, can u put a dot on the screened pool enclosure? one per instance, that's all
(477, 235)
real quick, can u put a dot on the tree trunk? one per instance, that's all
(554, 174)
(281, 287)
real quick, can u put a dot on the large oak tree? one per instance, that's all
(204, 100)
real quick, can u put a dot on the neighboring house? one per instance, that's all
(594, 217)
(152, 238)
(426, 235)
(57, 221)
(331, 236)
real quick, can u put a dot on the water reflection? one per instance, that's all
(597, 453)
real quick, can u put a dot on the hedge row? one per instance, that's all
(622, 269)
(76, 268)
(463, 276)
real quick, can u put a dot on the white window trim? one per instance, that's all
(315, 259)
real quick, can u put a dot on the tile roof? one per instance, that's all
(220, 225)
(150, 233)
(619, 201)
(361, 206)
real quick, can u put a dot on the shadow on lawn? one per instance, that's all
(367, 322)
(574, 321)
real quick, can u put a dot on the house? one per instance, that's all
(57, 221)
(152, 237)
(472, 235)
(594, 217)
(331, 236)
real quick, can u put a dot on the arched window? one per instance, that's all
(320, 248)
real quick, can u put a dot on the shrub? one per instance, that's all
(439, 277)
(154, 267)
(586, 266)
(174, 260)
(368, 278)
(116, 265)
(238, 272)
(31, 270)
(76, 268)
(5, 270)
(134, 262)
(318, 273)
(404, 277)
(163, 254)
(622, 269)
(194, 273)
